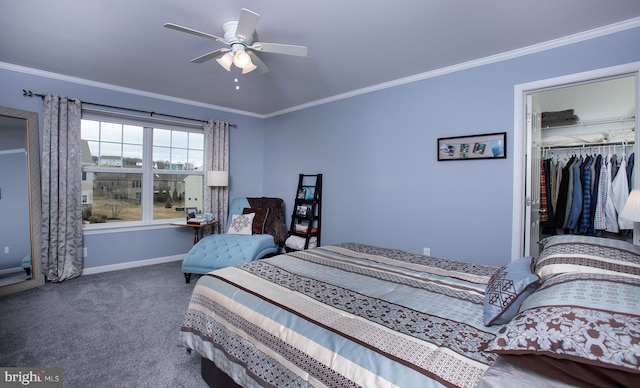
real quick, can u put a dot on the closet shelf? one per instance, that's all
(609, 130)
(624, 121)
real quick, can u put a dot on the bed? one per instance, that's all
(350, 315)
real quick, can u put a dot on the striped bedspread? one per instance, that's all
(345, 315)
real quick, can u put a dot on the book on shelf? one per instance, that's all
(303, 210)
(302, 228)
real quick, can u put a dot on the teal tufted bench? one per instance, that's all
(223, 250)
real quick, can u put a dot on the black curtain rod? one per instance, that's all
(29, 93)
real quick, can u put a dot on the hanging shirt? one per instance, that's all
(585, 221)
(594, 178)
(596, 166)
(611, 215)
(544, 211)
(567, 210)
(569, 173)
(615, 164)
(576, 201)
(561, 205)
(549, 174)
(630, 164)
(620, 189)
(556, 188)
(600, 218)
(613, 167)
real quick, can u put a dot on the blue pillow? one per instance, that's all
(508, 287)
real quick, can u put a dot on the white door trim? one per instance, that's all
(520, 136)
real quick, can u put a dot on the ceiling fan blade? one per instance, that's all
(210, 55)
(261, 67)
(246, 24)
(287, 49)
(194, 32)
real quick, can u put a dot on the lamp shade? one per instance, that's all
(249, 67)
(218, 178)
(225, 61)
(631, 210)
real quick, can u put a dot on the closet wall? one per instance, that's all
(587, 168)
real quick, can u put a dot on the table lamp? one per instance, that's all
(218, 178)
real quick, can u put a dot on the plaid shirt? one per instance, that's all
(600, 219)
(544, 213)
(586, 196)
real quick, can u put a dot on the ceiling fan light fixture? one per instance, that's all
(241, 59)
(225, 61)
(249, 68)
(239, 36)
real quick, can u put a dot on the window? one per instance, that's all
(136, 172)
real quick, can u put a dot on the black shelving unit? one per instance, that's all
(306, 217)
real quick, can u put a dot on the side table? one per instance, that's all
(196, 228)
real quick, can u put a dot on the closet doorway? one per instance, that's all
(597, 116)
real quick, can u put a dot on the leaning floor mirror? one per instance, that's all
(20, 201)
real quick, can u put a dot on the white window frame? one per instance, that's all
(147, 171)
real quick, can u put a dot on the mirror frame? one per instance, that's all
(35, 199)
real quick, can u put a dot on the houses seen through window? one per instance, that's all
(139, 173)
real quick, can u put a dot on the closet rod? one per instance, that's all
(29, 93)
(586, 146)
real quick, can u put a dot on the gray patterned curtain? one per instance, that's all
(216, 151)
(61, 252)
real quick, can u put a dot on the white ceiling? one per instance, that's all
(353, 45)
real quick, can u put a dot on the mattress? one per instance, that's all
(344, 315)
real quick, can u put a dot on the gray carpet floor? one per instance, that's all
(113, 329)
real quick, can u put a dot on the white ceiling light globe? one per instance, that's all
(241, 59)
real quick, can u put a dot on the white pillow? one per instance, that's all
(241, 224)
(297, 242)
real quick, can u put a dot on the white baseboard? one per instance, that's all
(131, 264)
(11, 270)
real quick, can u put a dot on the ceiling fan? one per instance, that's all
(239, 36)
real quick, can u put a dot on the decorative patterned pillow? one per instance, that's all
(581, 328)
(507, 289)
(575, 253)
(260, 220)
(241, 224)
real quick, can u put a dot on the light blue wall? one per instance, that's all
(246, 143)
(383, 184)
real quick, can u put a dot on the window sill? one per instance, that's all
(94, 229)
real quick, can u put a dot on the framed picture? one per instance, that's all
(303, 210)
(485, 146)
(191, 212)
